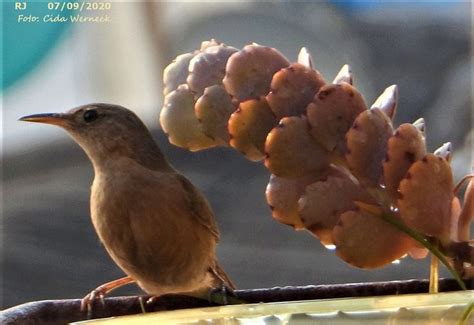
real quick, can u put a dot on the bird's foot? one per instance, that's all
(221, 295)
(89, 300)
(152, 303)
(152, 300)
(100, 292)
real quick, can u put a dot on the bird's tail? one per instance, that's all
(222, 277)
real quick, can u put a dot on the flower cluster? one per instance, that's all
(339, 169)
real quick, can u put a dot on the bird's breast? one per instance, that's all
(143, 223)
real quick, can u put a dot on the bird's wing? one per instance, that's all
(199, 206)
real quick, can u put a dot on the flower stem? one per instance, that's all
(434, 274)
(422, 239)
(425, 242)
(465, 316)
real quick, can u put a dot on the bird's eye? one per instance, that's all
(90, 115)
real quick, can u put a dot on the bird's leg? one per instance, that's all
(225, 286)
(221, 292)
(101, 291)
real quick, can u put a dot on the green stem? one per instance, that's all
(426, 243)
(466, 314)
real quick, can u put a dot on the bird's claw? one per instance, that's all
(222, 292)
(151, 300)
(100, 292)
(88, 301)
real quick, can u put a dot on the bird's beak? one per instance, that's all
(48, 118)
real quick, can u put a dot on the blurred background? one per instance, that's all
(49, 248)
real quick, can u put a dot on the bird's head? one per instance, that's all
(105, 131)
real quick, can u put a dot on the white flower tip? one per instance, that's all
(387, 101)
(444, 151)
(206, 44)
(331, 247)
(344, 75)
(304, 58)
(420, 125)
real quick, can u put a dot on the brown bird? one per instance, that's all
(157, 227)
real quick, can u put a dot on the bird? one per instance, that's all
(153, 222)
